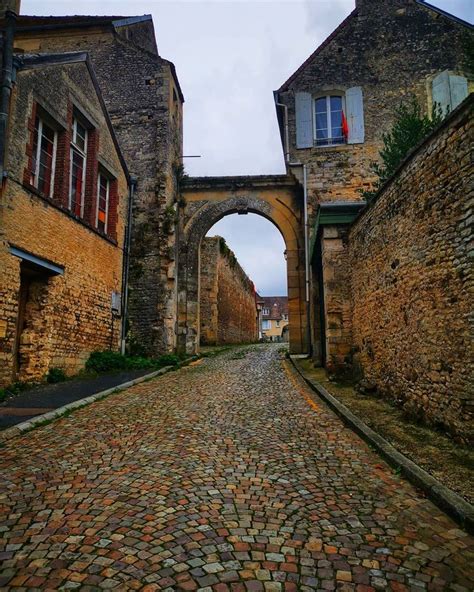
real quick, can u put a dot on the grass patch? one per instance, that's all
(434, 451)
(109, 361)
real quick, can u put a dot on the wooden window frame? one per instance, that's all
(36, 158)
(102, 175)
(75, 148)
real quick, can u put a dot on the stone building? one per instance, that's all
(274, 318)
(228, 307)
(332, 113)
(63, 211)
(144, 99)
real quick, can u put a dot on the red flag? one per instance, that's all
(345, 127)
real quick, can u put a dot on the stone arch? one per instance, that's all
(210, 199)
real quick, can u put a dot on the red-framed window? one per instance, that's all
(43, 159)
(77, 171)
(103, 201)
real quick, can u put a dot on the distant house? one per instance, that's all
(274, 317)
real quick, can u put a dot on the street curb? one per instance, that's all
(26, 426)
(446, 499)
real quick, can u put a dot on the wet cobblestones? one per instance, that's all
(219, 477)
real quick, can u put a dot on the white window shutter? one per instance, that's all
(441, 92)
(458, 89)
(355, 115)
(304, 120)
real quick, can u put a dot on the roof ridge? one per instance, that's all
(328, 39)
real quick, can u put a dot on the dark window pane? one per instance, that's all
(336, 103)
(336, 121)
(321, 105)
(321, 121)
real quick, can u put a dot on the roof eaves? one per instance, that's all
(175, 78)
(51, 59)
(95, 82)
(326, 42)
(132, 20)
(448, 15)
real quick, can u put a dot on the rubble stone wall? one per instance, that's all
(412, 279)
(70, 315)
(228, 311)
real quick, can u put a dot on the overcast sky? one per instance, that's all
(230, 56)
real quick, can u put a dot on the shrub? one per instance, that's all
(409, 129)
(55, 375)
(105, 361)
(109, 361)
(168, 360)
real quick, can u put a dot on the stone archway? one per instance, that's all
(208, 199)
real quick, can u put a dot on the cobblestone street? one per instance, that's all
(223, 476)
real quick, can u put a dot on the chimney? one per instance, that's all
(12, 5)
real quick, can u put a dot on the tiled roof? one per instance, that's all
(278, 306)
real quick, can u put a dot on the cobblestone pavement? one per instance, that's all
(219, 477)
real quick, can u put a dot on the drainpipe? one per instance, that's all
(287, 137)
(126, 264)
(306, 257)
(6, 84)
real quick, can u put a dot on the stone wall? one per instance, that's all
(67, 316)
(144, 100)
(412, 279)
(228, 311)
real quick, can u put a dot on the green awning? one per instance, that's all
(334, 214)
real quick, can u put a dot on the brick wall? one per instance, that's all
(412, 280)
(67, 316)
(228, 312)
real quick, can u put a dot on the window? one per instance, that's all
(44, 157)
(78, 168)
(266, 325)
(329, 121)
(266, 311)
(103, 196)
(449, 91)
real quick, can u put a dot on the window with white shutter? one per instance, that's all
(449, 91)
(331, 119)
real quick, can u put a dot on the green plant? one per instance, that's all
(55, 375)
(169, 220)
(109, 361)
(104, 361)
(409, 129)
(180, 177)
(167, 360)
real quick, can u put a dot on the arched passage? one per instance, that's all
(208, 199)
